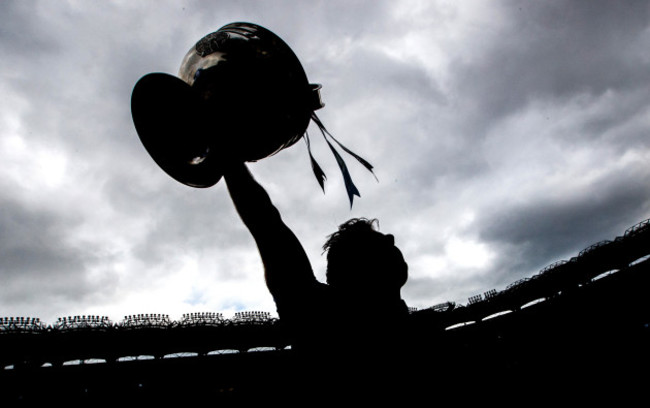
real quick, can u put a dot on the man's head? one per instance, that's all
(359, 257)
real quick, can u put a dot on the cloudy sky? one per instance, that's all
(505, 136)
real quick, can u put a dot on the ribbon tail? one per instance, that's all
(318, 171)
(360, 159)
(349, 185)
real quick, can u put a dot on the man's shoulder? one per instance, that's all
(307, 300)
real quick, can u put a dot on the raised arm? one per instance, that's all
(288, 272)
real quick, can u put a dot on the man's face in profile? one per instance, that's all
(387, 257)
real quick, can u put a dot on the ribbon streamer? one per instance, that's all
(318, 172)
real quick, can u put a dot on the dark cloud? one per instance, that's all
(25, 40)
(38, 262)
(555, 50)
(534, 234)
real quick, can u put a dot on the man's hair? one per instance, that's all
(348, 230)
(346, 249)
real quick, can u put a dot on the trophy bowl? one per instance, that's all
(241, 95)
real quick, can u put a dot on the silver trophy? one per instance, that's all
(241, 95)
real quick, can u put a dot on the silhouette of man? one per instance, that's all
(353, 317)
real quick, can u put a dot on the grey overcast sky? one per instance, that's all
(505, 135)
